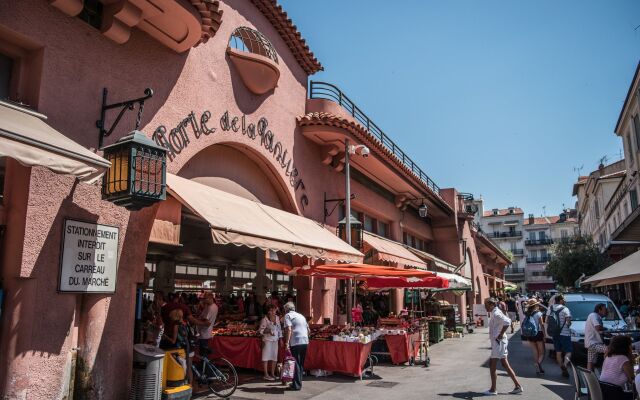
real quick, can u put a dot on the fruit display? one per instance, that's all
(324, 332)
(237, 329)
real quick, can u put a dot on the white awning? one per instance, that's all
(236, 220)
(440, 263)
(625, 270)
(455, 281)
(25, 137)
(392, 251)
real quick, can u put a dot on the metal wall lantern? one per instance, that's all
(356, 232)
(137, 177)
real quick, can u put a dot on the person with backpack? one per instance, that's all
(533, 332)
(558, 323)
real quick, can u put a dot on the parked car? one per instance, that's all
(581, 305)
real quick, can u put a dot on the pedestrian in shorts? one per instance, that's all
(498, 324)
(592, 335)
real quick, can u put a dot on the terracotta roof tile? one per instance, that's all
(554, 219)
(503, 212)
(211, 17)
(290, 34)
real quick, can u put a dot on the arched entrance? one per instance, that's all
(239, 170)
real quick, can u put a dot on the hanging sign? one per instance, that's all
(89, 262)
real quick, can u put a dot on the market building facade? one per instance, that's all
(255, 170)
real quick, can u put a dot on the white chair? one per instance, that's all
(593, 385)
(580, 391)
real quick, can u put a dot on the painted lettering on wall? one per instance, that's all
(89, 258)
(178, 138)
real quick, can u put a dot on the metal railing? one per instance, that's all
(327, 91)
(536, 242)
(513, 271)
(517, 252)
(504, 234)
(538, 260)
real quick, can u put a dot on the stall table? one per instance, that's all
(342, 357)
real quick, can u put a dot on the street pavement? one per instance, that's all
(459, 370)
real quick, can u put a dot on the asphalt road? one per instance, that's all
(458, 370)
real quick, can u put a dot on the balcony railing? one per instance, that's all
(513, 271)
(538, 242)
(327, 91)
(494, 235)
(517, 252)
(538, 260)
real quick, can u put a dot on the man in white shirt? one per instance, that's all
(207, 319)
(562, 340)
(592, 339)
(498, 324)
(296, 339)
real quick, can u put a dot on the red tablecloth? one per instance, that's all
(403, 347)
(343, 357)
(399, 349)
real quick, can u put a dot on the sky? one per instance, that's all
(510, 100)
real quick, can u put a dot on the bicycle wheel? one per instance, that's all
(222, 377)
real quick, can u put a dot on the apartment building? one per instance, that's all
(540, 235)
(505, 228)
(601, 205)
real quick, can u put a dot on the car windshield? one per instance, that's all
(580, 310)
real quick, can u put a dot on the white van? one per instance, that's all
(581, 305)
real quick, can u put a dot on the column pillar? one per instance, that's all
(165, 280)
(261, 284)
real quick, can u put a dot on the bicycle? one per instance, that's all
(218, 374)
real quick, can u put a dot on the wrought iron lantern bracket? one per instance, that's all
(124, 105)
(338, 202)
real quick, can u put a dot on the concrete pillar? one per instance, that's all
(165, 276)
(228, 285)
(303, 294)
(462, 307)
(261, 282)
(396, 300)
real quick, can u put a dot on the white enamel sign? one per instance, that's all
(89, 261)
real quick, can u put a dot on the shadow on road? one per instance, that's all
(462, 395)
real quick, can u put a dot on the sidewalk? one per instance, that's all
(459, 370)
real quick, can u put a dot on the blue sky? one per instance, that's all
(498, 98)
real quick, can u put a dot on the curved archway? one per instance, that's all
(239, 170)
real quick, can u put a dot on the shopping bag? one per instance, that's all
(288, 367)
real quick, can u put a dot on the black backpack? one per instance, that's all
(553, 321)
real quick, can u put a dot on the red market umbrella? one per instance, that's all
(430, 282)
(363, 271)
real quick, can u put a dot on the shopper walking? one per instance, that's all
(512, 311)
(498, 324)
(296, 339)
(558, 323)
(592, 339)
(533, 332)
(271, 333)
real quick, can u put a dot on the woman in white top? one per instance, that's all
(271, 332)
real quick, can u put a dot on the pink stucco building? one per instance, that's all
(238, 118)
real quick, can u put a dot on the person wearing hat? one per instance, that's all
(532, 330)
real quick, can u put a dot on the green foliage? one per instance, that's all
(509, 254)
(572, 258)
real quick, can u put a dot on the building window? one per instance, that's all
(92, 13)
(541, 235)
(633, 198)
(636, 128)
(6, 69)
(369, 224)
(596, 208)
(564, 234)
(383, 229)
(630, 147)
(532, 235)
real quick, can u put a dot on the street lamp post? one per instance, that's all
(347, 218)
(363, 151)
